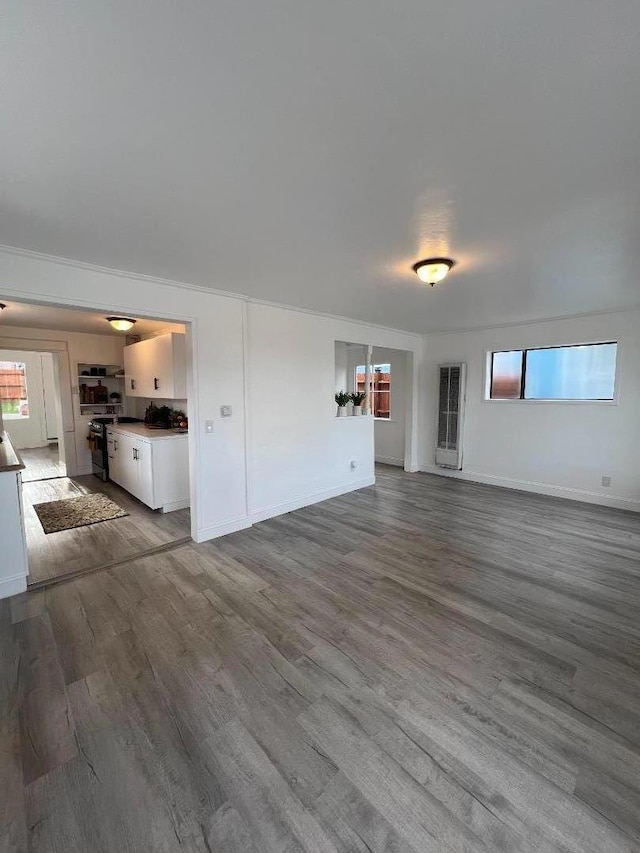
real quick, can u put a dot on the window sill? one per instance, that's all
(353, 418)
(554, 402)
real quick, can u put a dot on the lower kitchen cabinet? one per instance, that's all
(156, 471)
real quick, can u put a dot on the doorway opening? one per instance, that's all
(32, 411)
(385, 377)
(100, 419)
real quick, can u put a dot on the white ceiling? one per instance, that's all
(308, 153)
(66, 320)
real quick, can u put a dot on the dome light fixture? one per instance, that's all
(121, 324)
(432, 270)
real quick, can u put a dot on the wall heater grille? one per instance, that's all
(451, 396)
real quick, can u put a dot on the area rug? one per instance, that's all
(77, 512)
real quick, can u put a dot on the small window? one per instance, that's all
(578, 372)
(380, 388)
(14, 402)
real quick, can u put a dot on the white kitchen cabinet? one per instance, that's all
(156, 368)
(14, 566)
(154, 470)
(145, 491)
(121, 458)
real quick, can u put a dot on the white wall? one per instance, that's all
(52, 415)
(342, 364)
(277, 362)
(72, 348)
(552, 447)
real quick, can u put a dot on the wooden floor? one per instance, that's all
(55, 555)
(42, 463)
(426, 665)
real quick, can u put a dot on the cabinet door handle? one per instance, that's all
(133, 384)
(156, 384)
(115, 445)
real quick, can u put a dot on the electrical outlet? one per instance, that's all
(226, 411)
(606, 481)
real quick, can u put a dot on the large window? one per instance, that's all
(13, 390)
(380, 388)
(579, 372)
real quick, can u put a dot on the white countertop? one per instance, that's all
(141, 431)
(9, 458)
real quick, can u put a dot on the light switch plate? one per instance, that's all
(226, 411)
(208, 427)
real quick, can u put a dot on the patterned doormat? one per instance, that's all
(77, 512)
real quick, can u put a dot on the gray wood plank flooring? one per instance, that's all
(423, 666)
(67, 552)
(42, 463)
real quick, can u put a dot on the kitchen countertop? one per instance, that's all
(141, 431)
(9, 458)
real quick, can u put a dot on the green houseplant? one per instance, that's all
(358, 398)
(342, 399)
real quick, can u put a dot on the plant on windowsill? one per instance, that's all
(358, 398)
(342, 399)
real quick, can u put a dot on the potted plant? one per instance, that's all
(342, 399)
(358, 398)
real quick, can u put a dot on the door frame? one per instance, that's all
(60, 353)
(60, 348)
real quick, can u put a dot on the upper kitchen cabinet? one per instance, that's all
(157, 368)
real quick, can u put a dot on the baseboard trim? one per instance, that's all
(390, 460)
(204, 534)
(613, 501)
(172, 506)
(12, 586)
(264, 513)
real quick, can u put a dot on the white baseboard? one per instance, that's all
(264, 513)
(613, 501)
(172, 506)
(390, 460)
(203, 534)
(12, 586)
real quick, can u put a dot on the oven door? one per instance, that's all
(98, 447)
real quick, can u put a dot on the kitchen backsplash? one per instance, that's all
(137, 406)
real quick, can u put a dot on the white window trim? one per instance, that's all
(486, 385)
(390, 419)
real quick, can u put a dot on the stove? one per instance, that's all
(97, 439)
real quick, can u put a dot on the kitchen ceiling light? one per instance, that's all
(121, 324)
(433, 269)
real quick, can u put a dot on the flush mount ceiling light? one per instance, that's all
(433, 269)
(121, 324)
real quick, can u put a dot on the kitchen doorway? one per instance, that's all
(144, 507)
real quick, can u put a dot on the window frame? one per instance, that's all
(11, 416)
(598, 401)
(387, 391)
